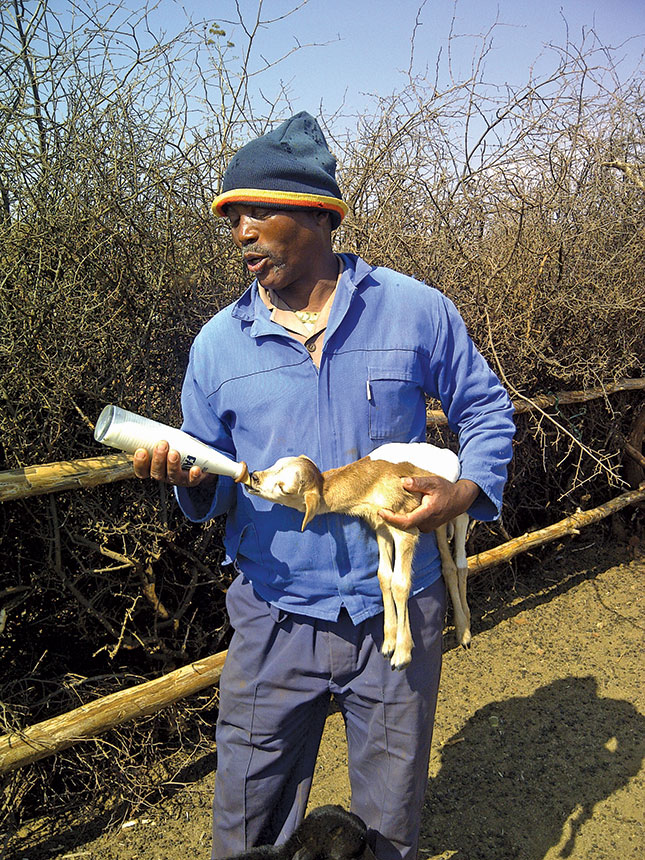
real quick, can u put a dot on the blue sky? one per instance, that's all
(364, 46)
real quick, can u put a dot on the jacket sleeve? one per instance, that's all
(478, 409)
(202, 503)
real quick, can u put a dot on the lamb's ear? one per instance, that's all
(312, 502)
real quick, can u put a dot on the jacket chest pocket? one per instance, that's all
(396, 403)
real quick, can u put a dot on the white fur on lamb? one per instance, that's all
(439, 461)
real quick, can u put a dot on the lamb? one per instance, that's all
(327, 833)
(361, 489)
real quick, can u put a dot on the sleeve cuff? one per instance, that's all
(484, 508)
(206, 501)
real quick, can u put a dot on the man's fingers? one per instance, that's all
(423, 484)
(423, 518)
(158, 462)
(179, 476)
(389, 517)
(173, 467)
(165, 465)
(174, 474)
(195, 476)
(141, 463)
(405, 521)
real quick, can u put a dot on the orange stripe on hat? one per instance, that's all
(277, 199)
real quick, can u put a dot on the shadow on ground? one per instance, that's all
(524, 774)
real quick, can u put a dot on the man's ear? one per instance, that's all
(323, 219)
(312, 502)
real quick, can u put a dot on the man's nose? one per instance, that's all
(246, 230)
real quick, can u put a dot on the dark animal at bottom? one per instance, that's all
(327, 833)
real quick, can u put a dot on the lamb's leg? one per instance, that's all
(449, 571)
(385, 562)
(460, 524)
(404, 545)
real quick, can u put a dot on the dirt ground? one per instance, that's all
(539, 737)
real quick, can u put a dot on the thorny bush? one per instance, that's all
(525, 207)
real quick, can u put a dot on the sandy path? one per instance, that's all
(539, 738)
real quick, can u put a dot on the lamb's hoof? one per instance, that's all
(465, 639)
(387, 649)
(400, 661)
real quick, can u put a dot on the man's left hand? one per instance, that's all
(441, 501)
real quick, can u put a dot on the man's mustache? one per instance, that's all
(260, 251)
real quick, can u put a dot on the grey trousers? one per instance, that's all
(280, 672)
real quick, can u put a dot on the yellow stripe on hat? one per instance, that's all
(276, 198)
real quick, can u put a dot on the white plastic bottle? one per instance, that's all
(128, 431)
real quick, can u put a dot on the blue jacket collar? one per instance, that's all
(250, 307)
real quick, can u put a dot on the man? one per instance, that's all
(327, 356)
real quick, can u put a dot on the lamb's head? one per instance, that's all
(292, 481)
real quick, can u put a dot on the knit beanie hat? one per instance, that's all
(290, 167)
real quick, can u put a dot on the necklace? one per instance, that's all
(308, 318)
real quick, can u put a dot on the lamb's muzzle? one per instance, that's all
(362, 489)
(292, 481)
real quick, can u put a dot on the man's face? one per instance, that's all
(278, 246)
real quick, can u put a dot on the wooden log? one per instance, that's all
(635, 455)
(51, 736)
(543, 401)
(59, 733)
(634, 447)
(74, 474)
(569, 525)
(65, 475)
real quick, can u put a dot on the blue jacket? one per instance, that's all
(253, 392)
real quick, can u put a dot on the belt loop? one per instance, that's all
(277, 614)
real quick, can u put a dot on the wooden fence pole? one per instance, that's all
(51, 736)
(66, 475)
(90, 472)
(543, 401)
(567, 526)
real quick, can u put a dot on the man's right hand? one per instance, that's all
(165, 465)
